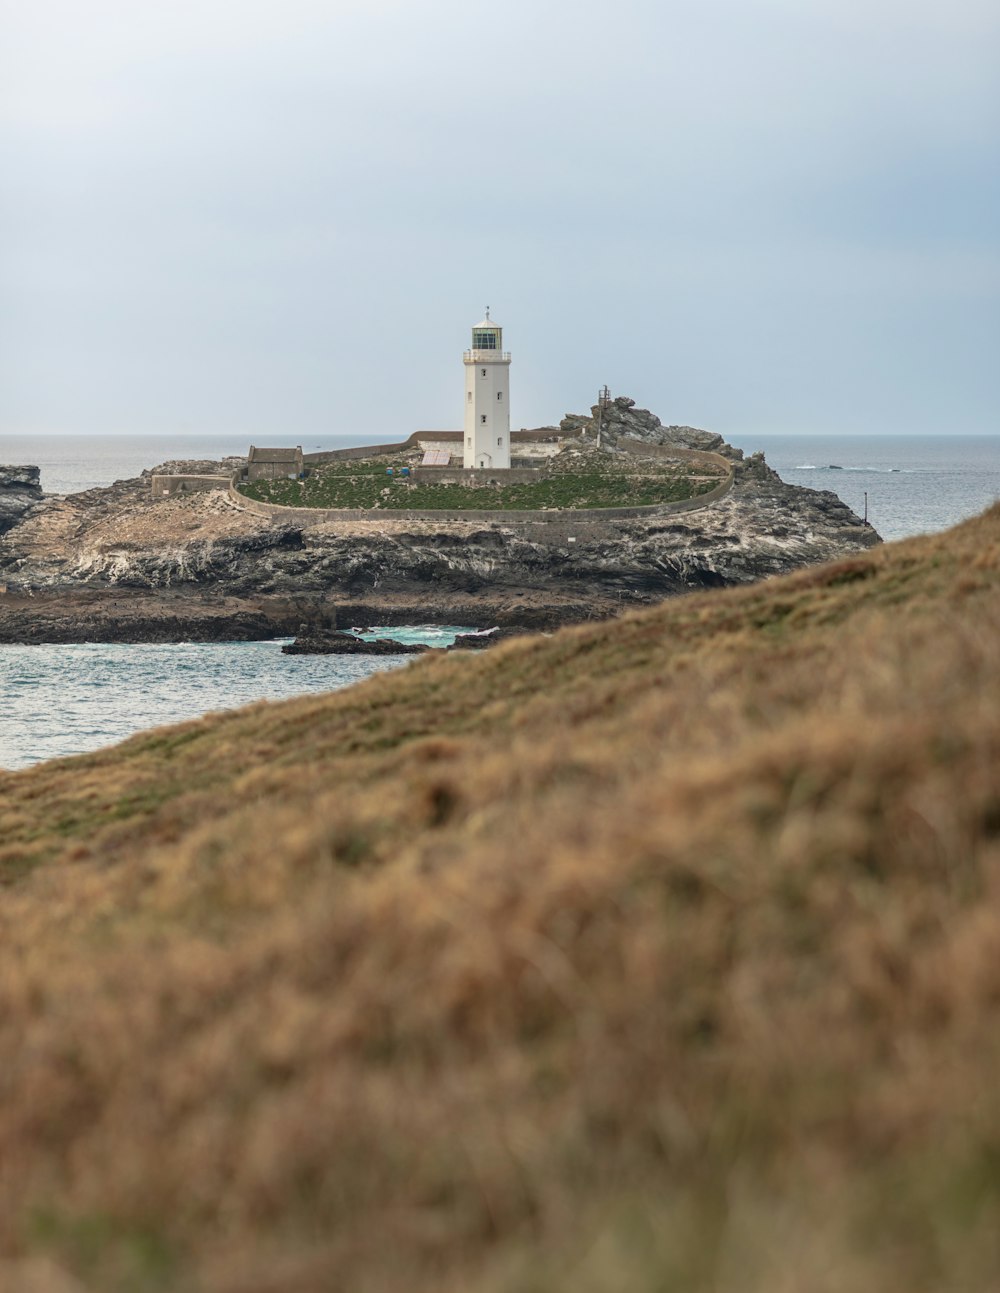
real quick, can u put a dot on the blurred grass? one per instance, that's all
(662, 953)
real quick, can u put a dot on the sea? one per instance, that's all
(60, 700)
(907, 484)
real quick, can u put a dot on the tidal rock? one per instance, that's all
(336, 643)
(488, 638)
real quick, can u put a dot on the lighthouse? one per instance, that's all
(487, 398)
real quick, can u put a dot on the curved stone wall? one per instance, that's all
(164, 484)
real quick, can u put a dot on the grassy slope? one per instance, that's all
(658, 954)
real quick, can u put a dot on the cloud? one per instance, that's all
(225, 188)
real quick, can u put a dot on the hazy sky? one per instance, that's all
(750, 215)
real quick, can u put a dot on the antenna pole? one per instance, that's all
(603, 399)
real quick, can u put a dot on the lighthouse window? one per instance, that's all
(500, 440)
(470, 441)
(484, 340)
(499, 395)
(483, 371)
(483, 419)
(470, 397)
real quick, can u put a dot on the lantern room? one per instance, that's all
(486, 335)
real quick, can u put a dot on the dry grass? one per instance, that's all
(661, 954)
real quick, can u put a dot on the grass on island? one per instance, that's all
(658, 954)
(572, 480)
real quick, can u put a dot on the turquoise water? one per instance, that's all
(434, 635)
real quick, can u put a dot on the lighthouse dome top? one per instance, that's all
(487, 323)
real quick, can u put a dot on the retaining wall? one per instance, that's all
(641, 449)
(350, 455)
(163, 485)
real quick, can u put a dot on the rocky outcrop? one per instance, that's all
(20, 490)
(621, 421)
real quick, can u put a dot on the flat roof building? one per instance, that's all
(274, 464)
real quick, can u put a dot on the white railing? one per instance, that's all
(480, 356)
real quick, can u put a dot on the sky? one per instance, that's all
(755, 216)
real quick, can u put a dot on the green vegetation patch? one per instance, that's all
(569, 481)
(126, 1257)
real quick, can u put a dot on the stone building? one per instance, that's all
(274, 464)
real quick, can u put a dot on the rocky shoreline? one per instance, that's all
(114, 565)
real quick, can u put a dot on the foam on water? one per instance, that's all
(415, 634)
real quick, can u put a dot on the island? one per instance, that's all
(626, 511)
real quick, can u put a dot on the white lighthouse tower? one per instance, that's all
(487, 398)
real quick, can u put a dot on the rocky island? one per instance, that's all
(117, 564)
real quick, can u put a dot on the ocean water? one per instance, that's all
(71, 463)
(59, 700)
(69, 699)
(914, 484)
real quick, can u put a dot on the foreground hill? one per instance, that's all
(662, 953)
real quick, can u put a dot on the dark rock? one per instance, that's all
(480, 641)
(21, 478)
(20, 490)
(755, 468)
(336, 643)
